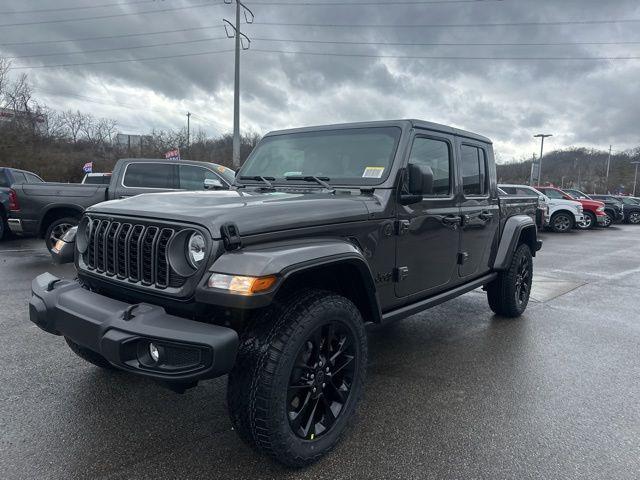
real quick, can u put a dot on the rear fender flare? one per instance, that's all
(515, 228)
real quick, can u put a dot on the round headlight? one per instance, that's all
(196, 249)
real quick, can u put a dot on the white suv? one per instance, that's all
(562, 215)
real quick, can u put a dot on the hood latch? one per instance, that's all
(230, 236)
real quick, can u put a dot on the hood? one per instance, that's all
(252, 211)
(591, 203)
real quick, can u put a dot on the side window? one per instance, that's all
(435, 154)
(509, 190)
(149, 175)
(526, 192)
(474, 178)
(553, 194)
(19, 178)
(193, 177)
(31, 178)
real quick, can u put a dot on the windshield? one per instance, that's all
(228, 174)
(359, 156)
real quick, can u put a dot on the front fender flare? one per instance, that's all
(285, 259)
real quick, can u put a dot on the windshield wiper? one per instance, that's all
(266, 180)
(319, 180)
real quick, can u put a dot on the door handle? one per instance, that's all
(452, 220)
(486, 216)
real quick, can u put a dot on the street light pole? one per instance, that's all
(635, 178)
(541, 136)
(606, 182)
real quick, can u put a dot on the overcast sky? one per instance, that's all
(582, 102)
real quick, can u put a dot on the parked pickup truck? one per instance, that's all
(543, 211)
(594, 214)
(330, 228)
(48, 209)
(613, 208)
(9, 177)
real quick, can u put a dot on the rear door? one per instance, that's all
(427, 241)
(147, 177)
(480, 208)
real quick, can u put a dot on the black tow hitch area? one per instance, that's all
(230, 236)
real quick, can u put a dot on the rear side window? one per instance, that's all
(149, 175)
(526, 192)
(509, 190)
(435, 154)
(4, 179)
(31, 178)
(19, 178)
(474, 171)
(553, 194)
(193, 177)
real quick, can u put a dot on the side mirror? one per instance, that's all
(212, 184)
(420, 183)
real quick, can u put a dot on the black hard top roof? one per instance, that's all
(389, 123)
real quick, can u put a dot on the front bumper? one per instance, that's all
(121, 332)
(602, 219)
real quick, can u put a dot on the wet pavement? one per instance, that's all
(453, 392)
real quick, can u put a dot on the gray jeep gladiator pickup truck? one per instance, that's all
(327, 229)
(49, 209)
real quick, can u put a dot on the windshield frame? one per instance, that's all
(355, 182)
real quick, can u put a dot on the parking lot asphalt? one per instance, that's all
(453, 392)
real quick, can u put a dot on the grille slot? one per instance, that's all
(133, 252)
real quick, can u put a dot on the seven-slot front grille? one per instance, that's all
(131, 251)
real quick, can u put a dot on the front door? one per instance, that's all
(428, 236)
(480, 211)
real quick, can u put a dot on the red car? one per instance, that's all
(593, 210)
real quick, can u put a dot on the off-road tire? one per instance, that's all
(561, 222)
(73, 221)
(594, 221)
(258, 385)
(502, 293)
(89, 355)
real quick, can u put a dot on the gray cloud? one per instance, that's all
(585, 102)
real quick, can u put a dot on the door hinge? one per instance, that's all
(400, 273)
(462, 258)
(402, 227)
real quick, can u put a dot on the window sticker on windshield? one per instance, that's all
(373, 172)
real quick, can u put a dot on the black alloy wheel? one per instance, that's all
(321, 379)
(523, 280)
(634, 218)
(608, 220)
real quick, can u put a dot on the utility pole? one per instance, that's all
(239, 36)
(606, 182)
(188, 133)
(635, 178)
(541, 136)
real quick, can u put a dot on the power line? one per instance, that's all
(114, 15)
(441, 57)
(109, 37)
(367, 4)
(77, 52)
(77, 7)
(446, 44)
(333, 42)
(101, 62)
(451, 25)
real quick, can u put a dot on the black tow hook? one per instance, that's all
(128, 313)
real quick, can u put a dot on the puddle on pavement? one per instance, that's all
(547, 288)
